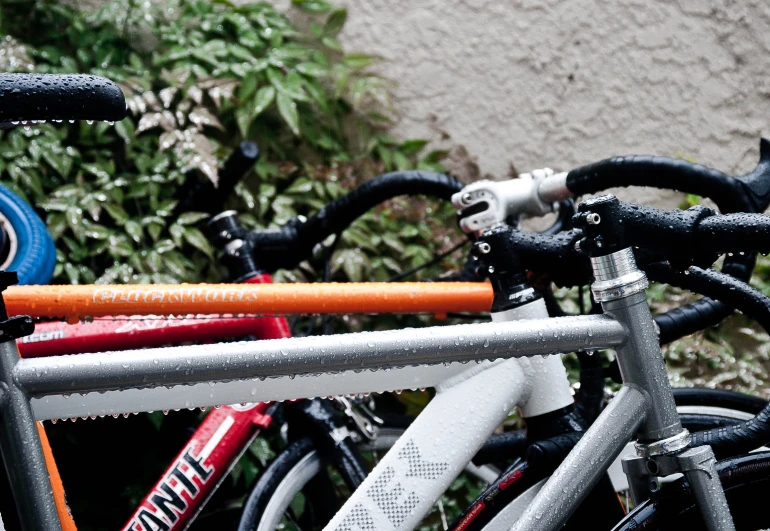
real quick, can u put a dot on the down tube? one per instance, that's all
(585, 464)
(406, 483)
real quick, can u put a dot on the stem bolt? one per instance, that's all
(484, 248)
(593, 218)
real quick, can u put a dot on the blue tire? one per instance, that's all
(32, 248)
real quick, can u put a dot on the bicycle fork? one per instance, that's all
(644, 406)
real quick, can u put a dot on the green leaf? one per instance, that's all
(191, 218)
(264, 98)
(335, 22)
(164, 246)
(156, 419)
(332, 44)
(315, 6)
(244, 117)
(288, 109)
(300, 186)
(412, 147)
(125, 129)
(312, 69)
(196, 238)
(357, 60)
(248, 87)
(134, 230)
(116, 212)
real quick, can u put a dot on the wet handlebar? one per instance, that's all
(284, 248)
(29, 98)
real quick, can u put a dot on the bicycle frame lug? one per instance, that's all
(640, 479)
(616, 276)
(666, 446)
(699, 467)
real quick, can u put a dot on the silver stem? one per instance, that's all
(322, 354)
(554, 188)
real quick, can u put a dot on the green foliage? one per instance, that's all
(200, 77)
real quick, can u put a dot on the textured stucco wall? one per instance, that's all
(561, 83)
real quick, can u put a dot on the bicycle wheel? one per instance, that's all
(746, 480)
(500, 505)
(28, 248)
(297, 473)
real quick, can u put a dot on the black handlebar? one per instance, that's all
(746, 193)
(284, 248)
(204, 196)
(41, 97)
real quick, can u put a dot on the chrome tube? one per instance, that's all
(82, 373)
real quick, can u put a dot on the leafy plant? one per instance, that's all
(199, 77)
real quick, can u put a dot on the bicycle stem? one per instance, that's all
(645, 401)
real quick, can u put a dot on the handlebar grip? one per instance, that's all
(340, 213)
(41, 97)
(731, 291)
(738, 439)
(691, 318)
(659, 172)
(548, 453)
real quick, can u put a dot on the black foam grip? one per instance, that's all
(729, 290)
(741, 438)
(690, 318)
(659, 172)
(548, 453)
(735, 233)
(502, 446)
(341, 213)
(27, 97)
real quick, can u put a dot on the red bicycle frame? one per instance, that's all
(222, 437)
(219, 441)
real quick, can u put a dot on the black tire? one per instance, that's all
(296, 466)
(746, 480)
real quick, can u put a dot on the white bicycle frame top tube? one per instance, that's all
(436, 447)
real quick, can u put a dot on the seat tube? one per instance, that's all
(22, 451)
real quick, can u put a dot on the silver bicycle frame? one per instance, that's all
(165, 372)
(644, 407)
